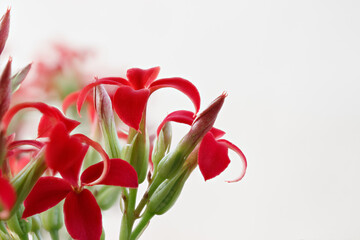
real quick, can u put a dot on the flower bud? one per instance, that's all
(139, 155)
(3, 149)
(162, 145)
(172, 162)
(18, 225)
(36, 225)
(105, 114)
(168, 192)
(5, 89)
(4, 29)
(52, 219)
(107, 196)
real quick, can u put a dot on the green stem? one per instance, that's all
(54, 234)
(144, 222)
(128, 218)
(38, 235)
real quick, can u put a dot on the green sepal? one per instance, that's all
(19, 77)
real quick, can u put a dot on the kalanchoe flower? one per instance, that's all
(131, 97)
(202, 124)
(213, 156)
(81, 212)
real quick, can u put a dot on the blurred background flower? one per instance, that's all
(291, 72)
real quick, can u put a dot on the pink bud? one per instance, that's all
(4, 29)
(5, 89)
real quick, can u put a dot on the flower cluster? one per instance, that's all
(57, 176)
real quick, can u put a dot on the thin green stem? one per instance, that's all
(54, 234)
(128, 218)
(153, 186)
(144, 222)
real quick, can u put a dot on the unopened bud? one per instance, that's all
(4, 29)
(162, 145)
(36, 225)
(168, 192)
(139, 155)
(52, 219)
(5, 89)
(172, 162)
(105, 114)
(107, 196)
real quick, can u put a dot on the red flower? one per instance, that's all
(64, 154)
(131, 97)
(213, 156)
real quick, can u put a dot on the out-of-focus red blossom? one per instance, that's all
(130, 98)
(65, 154)
(213, 156)
(44, 80)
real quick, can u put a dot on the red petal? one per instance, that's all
(242, 156)
(101, 151)
(82, 216)
(47, 192)
(213, 157)
(84, 92)
(130, 104)
(180, 84)
(120, 173)
(217, 133)
(7, 195)
(142, 78)
(4, 29)
(65, 153)
(5, 89)
(52, 114)
(181, 116)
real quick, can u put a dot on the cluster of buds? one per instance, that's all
(57, 178)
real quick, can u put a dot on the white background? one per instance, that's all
(291, 69)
